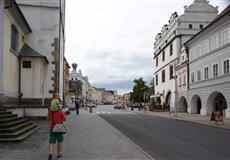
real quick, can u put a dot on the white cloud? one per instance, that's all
(112, 40)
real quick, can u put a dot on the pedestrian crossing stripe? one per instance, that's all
(103, 112)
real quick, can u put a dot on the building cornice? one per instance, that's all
(210, 79)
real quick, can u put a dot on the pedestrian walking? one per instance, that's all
(56, 116)
(77, 105)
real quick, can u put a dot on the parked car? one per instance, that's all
(134, 105)
(91, 104)
(118, 106)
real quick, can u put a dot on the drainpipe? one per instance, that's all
(59, 66)
(19, 82)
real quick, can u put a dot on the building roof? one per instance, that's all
(67, 63)
(27, 51)
(226, 11)
(15, 11)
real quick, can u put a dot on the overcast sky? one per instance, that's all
(112, 40)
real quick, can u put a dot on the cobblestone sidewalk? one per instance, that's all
(88, 137)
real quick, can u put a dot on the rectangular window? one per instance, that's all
(214, 42)
(180, 81)
(190, 26)
(206, 73)
(191, 54)
(201, 26)
(163, 76)
(163, 56)
(156, 61)
(215, 70)
(226, 37)
(171, 49)
(156, 79)
(198, 52)
(184, 79)
(14, 39)
(226, 67)
(206, 47)
(26, 64)
(170, 72)
(198, 75)
(192, 77)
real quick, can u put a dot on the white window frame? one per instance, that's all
(218, 70)
(227, 38)
(198, 76)
(206, 46)
(180, 80)
(193, 79)
(184, 78)
(223, 66)
(204, 72)
(198, 54)
(215, 42)
(192, 54)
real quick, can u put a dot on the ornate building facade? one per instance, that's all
(169, 42)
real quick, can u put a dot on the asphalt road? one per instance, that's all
(167, 139)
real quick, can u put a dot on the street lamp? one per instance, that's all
(176, 85)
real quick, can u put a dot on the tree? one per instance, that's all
(151, 90)
(140, 90)
(152, 87)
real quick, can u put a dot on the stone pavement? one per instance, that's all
(88, 137)
(192, 118)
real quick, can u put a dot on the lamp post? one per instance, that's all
(176, 85)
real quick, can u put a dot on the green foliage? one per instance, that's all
(140, 90)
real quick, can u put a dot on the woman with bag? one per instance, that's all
(56, 118)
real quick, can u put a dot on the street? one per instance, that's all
(170, 139)
(123, 134)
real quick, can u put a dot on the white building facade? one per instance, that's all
(209, 73)
(47, 21)
(169, 42)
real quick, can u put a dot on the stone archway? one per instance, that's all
(168, 100)
(216, 102)
(196, 104)
(182, 105)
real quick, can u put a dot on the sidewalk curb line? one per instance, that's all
(130, 141)
(211, 126)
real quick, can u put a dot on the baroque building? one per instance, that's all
(168, 44)
(209, 74)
